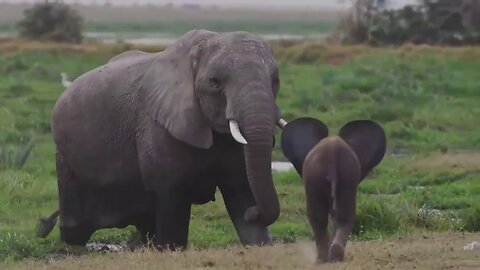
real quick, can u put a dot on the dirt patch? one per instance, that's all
(430, 251)
(465, 160)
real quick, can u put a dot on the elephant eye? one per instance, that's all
(215, 83)
(275, 83)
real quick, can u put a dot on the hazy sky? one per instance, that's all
(275, 3)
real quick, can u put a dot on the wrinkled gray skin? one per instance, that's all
(332, 167)
(143, 137)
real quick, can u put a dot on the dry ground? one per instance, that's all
(428, 251)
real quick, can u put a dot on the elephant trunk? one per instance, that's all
(258, 125)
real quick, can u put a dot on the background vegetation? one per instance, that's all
(176, 21)
(442, 22)
(52, 21)
(425, 97)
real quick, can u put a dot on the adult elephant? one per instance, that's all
(142, 138)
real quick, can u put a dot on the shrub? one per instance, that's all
(15, 155)
(471, 218)
(18, 90)
(14, 64)
(384, 215)
(442, 22)
(53, 21)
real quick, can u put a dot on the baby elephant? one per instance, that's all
(332, 168)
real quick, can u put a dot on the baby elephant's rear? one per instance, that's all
(332, 168)
(331, 172)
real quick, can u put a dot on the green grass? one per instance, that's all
(427, 102)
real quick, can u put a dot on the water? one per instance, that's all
(166, 39)
(281, 166)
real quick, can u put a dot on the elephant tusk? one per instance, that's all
(281, 123)
(236, 134)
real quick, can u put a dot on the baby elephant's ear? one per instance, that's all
(299, 137)
(367, 140)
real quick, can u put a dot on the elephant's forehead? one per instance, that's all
(243, 45)
(251, 52)
(238, 60)
(239, 51)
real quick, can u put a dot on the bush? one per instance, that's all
(53, 21)
(443, 22)
(380, 216)
(471, 218)
(15, 155)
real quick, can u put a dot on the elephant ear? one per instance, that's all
(299, 137)
(168, 94)
(367, 139)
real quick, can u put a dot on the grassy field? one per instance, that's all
(426, 99)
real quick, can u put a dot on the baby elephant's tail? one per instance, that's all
(332, 175)
(45, 226)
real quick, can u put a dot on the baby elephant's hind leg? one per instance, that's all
(344, 218)
(317, 211)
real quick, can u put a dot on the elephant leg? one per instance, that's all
(238, 198)
(345, 203)
(75, 228)
(318, 207)
(76, 235)
(172, 220)
(146, 226)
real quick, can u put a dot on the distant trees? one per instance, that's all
(52, 21)
(443, 22)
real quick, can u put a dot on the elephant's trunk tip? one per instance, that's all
(253, 215)
(46, 225)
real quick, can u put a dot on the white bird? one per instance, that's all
(65, 82)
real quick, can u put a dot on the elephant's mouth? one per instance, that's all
(222, 127)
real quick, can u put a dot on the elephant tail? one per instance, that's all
(333, 177)
(333, 186)
(46, 225)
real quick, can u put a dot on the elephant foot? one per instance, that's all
(77, 235)
(321, 260)
(336, 252)
(322, 254)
